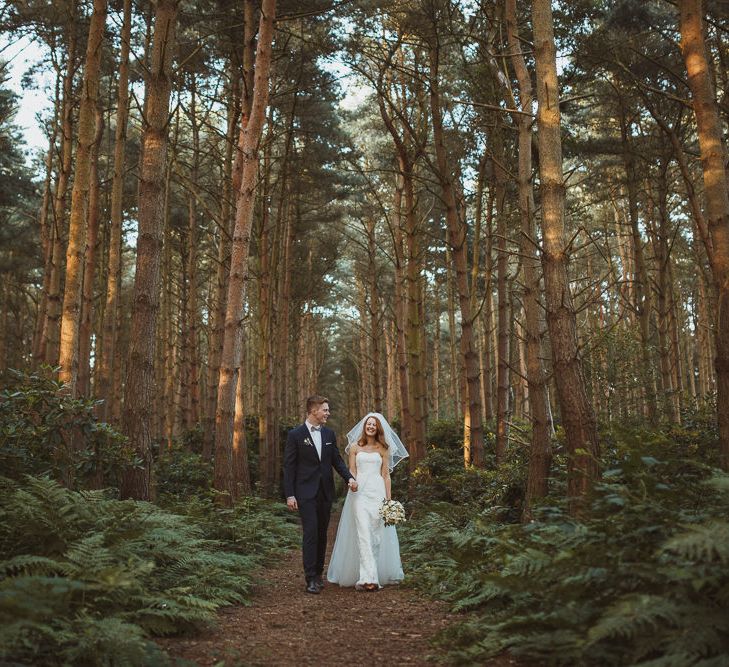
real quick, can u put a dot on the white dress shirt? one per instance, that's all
(315, 437)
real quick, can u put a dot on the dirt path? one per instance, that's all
(285, 626)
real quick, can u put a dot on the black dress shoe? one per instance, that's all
(311, 587)
(319, 582)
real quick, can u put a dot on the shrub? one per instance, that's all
(642, 579)
(183, 473)
(43, 431)
(441, 477)
(86, 579)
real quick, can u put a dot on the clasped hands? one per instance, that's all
(352, 483)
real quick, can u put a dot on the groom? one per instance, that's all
(310, 454)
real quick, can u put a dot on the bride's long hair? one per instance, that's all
(379, 435)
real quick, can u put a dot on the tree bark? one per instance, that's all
(223, 264)
(91, 260)
(716, 192)
(192, 398)
(457, 241)
(242, 475)
(51, 327)
(139, 386)
(46, 227)
(577, 415)
(375, 332)
(503, 379)
(250, 136)
(108, 361)
(76, 248)
(641, 287)
(540, 454)
(400, 310)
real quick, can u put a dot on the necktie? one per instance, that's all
(316, 428)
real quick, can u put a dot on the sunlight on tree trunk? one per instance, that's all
(716, 192)
(76, 249)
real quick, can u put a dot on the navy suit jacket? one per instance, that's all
(303, 472)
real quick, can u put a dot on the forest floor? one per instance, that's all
(286, 626)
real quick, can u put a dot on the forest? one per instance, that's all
(504, 224)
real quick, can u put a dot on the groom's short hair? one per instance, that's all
(314, 402)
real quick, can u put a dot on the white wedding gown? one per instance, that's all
(365, 550)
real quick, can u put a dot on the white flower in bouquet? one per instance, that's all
(392, 512)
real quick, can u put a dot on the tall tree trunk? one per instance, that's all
(400, 310)
(76, 248)
(503, 379)
(223, 264)
(662, 254)
(139, 386)
(488, 308)
(248, 145)
(455, 374)
(375, 332)
(390, 334)
(437, 342)
(242, 474)
(51, 327)
(641, 286)
(46, 226)
(91, 259)
(540, 454)
(168, 337)
(266, 389)
(192, 399)
(415, 337)
(703, 328)
(716, 192)
(457, 240)
(578, 417)
(108, 361)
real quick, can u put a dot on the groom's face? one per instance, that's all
(320, 413)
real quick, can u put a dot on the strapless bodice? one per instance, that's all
(368, 463)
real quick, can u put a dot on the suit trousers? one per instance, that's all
(314, 515)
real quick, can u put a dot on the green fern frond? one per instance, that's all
(706, 543)
(635, 614)
(529, 563)
(486, 592)
(28, 564)
(124, 641)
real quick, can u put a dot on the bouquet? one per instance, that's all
(392, 512)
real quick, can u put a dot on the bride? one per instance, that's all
(366, 553)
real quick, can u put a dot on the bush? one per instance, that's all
(642, 579)
(86, 579)
(446, 434)
(43, 431)
(183, 473)
(441, 477)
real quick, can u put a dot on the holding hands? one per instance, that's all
(352, 483)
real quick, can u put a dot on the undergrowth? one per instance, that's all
(87, 580)
(640, 579)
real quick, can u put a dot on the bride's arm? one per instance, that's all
(385, 472)
(353, 461)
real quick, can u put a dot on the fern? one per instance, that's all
(633, 615)
(707, 543)
(86, 579)
(642, 579)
